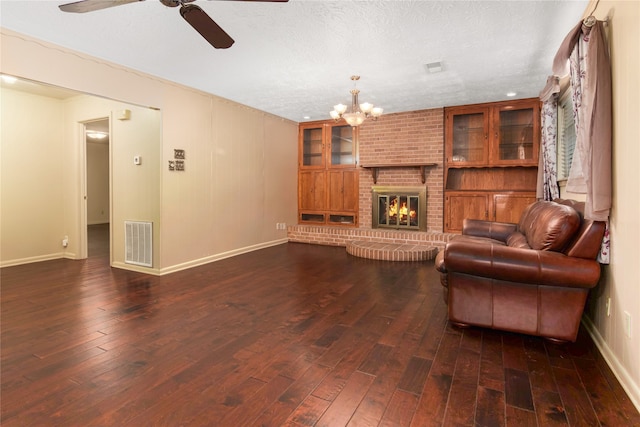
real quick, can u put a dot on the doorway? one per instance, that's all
(97, 188)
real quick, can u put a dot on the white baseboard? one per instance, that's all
(220, 256)
(626, 381)
(29, 260)
(153, 271)
(136, 268)
(198, 262)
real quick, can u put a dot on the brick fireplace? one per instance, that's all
(409, 138)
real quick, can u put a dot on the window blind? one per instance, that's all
(566, 135)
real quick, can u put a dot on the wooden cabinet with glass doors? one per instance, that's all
(327, 174)
(516, 135)
(469, 130)
(491, 159)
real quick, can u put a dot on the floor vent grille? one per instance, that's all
(138, 241)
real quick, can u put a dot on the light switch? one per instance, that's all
(137, 160)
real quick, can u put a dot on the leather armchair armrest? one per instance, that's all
(518, 265)
(490, 229)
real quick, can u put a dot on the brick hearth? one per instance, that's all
(391, 251)
(391, 241)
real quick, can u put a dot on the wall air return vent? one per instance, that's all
(138, 241)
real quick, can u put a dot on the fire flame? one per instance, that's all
(403, 210)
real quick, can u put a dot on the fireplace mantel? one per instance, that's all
(375, 168)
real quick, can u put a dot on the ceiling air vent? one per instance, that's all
(434, 67)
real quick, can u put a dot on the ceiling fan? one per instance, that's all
(194, 15)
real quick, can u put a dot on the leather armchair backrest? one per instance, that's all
(587, 240)
(549, 226)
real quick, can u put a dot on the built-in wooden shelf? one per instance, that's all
(375, 168)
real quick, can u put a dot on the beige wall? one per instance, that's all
(620, 280)
(241, 164)
(31, 180)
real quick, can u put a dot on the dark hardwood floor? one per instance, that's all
(293, 335)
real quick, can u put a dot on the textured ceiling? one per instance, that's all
(294, 59)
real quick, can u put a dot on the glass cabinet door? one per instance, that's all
(343, 151)
(469, 137)
(312, 142)
(515, 136)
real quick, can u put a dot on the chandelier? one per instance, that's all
(359, 112)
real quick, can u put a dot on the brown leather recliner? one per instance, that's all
(532, 277)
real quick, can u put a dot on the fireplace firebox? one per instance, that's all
(399, 208)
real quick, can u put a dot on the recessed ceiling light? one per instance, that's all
(306, 117)
(511, 94)
(9, 79)
(96, 135)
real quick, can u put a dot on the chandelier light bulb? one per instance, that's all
(354, 119)
(340, 108)
(366, 107)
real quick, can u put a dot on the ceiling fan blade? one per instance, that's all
(83, 6)
(203, 24)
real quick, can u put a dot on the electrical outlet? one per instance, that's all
(609, 307)
(627, 324)
(65, 241)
